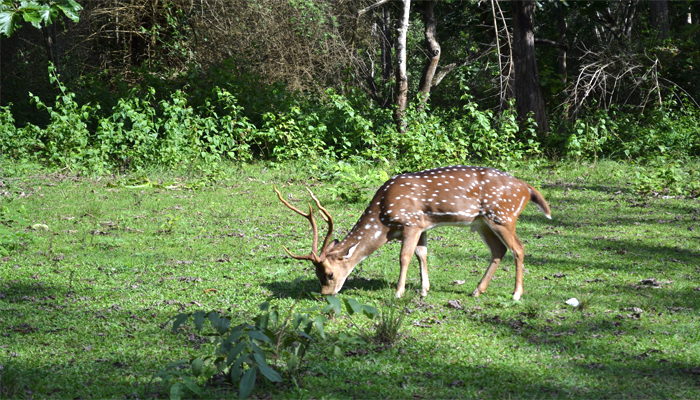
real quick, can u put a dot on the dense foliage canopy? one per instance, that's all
(175, 82)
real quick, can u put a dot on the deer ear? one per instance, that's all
(331, 245)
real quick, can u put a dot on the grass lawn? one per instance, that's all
(93, 268)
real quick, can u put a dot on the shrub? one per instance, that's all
(270, 343)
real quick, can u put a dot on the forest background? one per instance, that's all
(185, 83)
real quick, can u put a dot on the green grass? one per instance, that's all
(82, 304)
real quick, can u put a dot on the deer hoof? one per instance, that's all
(476, 293)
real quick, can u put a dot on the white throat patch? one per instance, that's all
(352, 250)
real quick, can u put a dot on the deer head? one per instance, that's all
(330, 273)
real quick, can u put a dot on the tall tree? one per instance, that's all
(528, 92)
(387, 69)
(658, 10)
(431, 65)
(401, 75)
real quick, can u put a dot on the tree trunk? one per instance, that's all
(49, 33)
(528, 93)
(433, 51)
(659, 17)
(387, 68)
(561, 25)
(401, 76)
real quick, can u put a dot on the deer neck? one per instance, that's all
(364, 238)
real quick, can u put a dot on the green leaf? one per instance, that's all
(179, 320)
(71, 9)
(197, 365)
(192, 385)
(199, 318)
(263, 320)
(256, 348)
(236, 368)
(296, 281)
(370, 311)
(258, 335)
(175, 364)
(247, 383)
(33, 17)
(318, 323)
(176, 391)
(9, 22)
(274, 317)
(353, 306)
(337, 352)
(233, 354)
(292, 362)
(235, 335)
(48, 14)
(333, 304)
(264, 306)
(215, 319)
(224, 324)
(268, 372)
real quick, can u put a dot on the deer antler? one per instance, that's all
(329, 220)
(314, 256)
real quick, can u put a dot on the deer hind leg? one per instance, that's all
(498, 250)
(422, 255)
(408, 247)
(510, 239)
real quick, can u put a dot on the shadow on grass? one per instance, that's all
(481, 378)
(294, 289)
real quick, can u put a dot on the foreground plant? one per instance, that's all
(242, 351)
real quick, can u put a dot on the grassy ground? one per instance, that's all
(93, 269)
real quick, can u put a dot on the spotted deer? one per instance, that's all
(407, 206)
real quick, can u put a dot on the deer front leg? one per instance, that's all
(498, 250)
(408, 246)
(422, 255)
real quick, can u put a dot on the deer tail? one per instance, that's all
(539, 200)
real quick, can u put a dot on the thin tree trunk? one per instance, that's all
(659, 17)
(387, 68)
(433, 51)
(49, 33)
(528, 92)
(561, 24)
(629, 19)
(401, 76)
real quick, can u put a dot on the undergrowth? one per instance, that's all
(148, 129)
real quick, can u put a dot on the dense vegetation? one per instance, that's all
(157, 95)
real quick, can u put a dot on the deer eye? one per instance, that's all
(330, 276)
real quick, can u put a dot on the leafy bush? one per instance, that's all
(269, 344)
(672, 130)
(666, 175)
(137, 133)
(476, 135)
